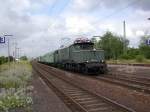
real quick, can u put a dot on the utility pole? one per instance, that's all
(18, 53)
(8, 53)
(124, 35)
(15, 50)
(8, 49)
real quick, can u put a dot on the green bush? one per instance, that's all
(16, 92)
(125, 56)
(8, 102)
(3, 60)
(140, 58)
(10, 82)
(133, 52)
(24, 58)
(145, 51)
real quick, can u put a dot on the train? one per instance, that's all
(80, 56)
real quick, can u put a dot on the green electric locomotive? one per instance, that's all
(81, 56)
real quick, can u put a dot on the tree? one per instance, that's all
(3, 59)
(24, 58)
(144, 49)
(133, 52)
(113, 45)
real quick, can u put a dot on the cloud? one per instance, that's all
(37, 31)
(144, 5)
(17, 20)
(92, 5)
(78, 24)
(82, 5)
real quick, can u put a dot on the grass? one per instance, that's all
(14, 84)
(123, 61)
(10, 101)
(4, 67)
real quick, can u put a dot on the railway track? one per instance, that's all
(128, 83)
(142, 65)
(128, 70)
(133, 83)
(78, 99)
(133, 77)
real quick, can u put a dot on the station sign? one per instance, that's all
(2, 40)
(148, 42)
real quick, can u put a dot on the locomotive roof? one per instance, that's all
(91, 43)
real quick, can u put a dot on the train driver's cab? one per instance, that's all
(83, 44)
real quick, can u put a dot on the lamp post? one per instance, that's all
(124, 36)
(8, 49)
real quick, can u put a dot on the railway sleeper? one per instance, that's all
(109, 106)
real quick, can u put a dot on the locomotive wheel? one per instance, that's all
(103, 71)
(85, 70)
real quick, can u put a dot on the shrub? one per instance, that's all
(14, 88)
(24, 58)
(125, 56)
(139, 58)
(9, 101)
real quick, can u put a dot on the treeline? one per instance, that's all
(116, 47)
(4, 59)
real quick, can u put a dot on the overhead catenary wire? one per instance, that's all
(120, 10)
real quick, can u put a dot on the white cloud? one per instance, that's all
(139, 33)
(38, 33)
(82, 5)
(78, 25)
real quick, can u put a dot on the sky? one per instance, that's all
(41, 26)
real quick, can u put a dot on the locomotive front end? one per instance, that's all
(94, 61)
(90, 59)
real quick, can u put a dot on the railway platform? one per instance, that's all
(45, 100)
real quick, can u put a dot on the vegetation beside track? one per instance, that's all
(15, 91)
(116, 47)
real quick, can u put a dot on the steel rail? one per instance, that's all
(104, 98)
(126, 84)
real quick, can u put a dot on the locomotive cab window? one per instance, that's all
(56, 52)
(84, 46)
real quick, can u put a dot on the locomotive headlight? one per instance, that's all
(87, 61)
(102, 61)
